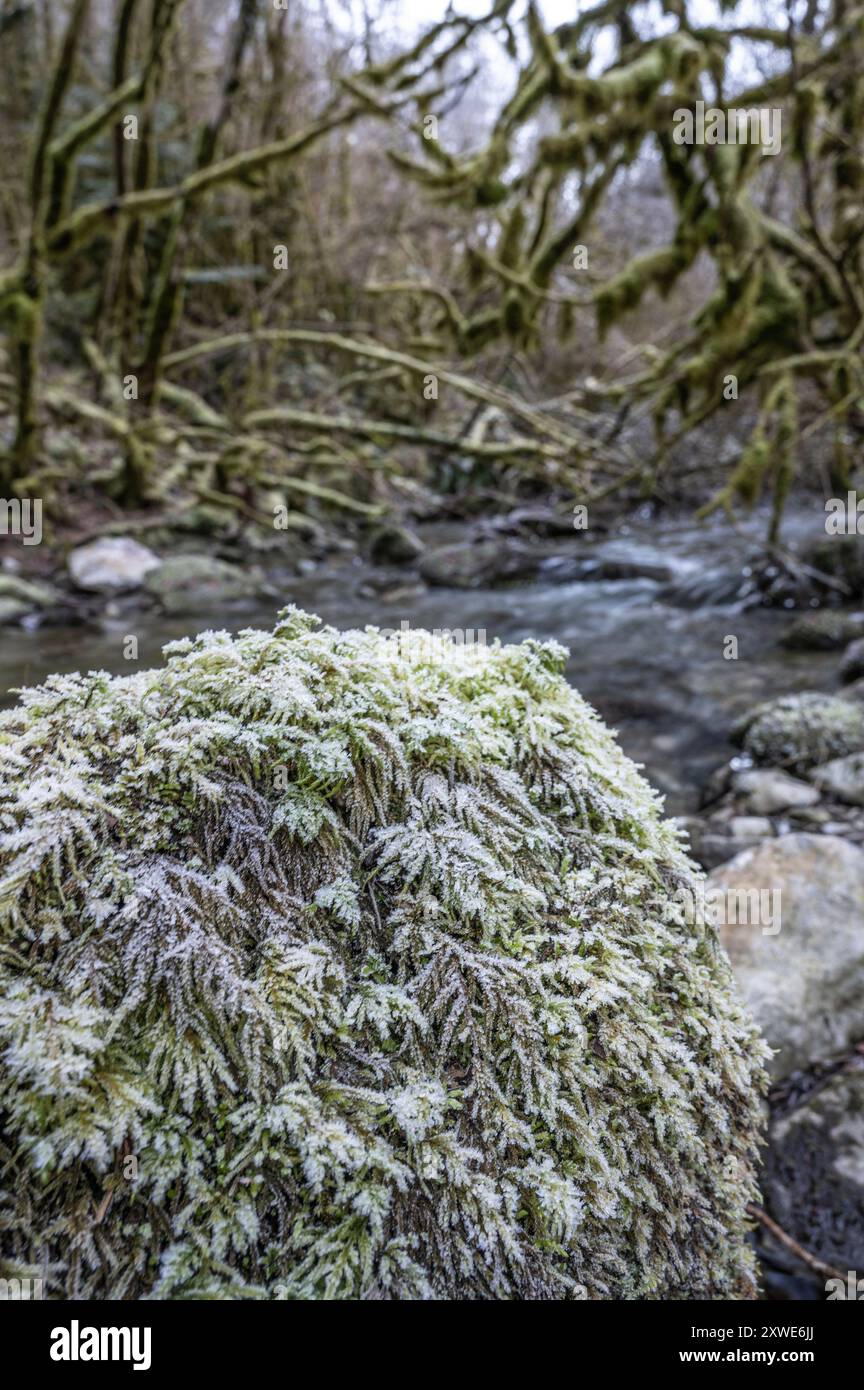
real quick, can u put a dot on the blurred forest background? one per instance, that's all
(349, 262)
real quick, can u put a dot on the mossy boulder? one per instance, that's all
(344, 966)
(200, 583)
(824, 631)
(800, 731)
(841, 557)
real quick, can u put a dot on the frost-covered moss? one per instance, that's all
(332, 968)
(801, 731)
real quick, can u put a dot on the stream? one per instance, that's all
(646, 652)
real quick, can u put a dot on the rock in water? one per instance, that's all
(473, 565)
(344, 968)
(395, 545)
(113, 565)
(199, 583)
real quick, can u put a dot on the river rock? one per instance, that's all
(196, 583)
(813, 1176)
(716, 845)
(472, 565)
(799, 731)
(812, 815)
(825, 631)
(395, 545)
(621, 568)
(804, 984)
(842, 557)
(842, 778)
(852, 665)
(112, 565)
(750, 827)
(768, 791)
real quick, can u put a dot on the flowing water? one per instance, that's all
(651, 661)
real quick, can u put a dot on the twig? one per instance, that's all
(812, 1261)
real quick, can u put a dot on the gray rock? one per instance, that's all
(750, 827)
(825, 631)
(768, 791)
(813, 1176)
(198, 583)
(706, 849)
(717, 785)
(799, 731)
(842, 778)
(711, 850)
(805, 983)
(614, 568)
(474, 565)
(504, 559)
(395, 545)
(842, 557)
(852, 665)
(812, 815)
(112, 565)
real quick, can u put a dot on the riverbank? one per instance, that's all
(644, 604)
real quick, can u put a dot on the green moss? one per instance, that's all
(801, 731)
(333, 967)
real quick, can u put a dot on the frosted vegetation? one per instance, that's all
(338, 968)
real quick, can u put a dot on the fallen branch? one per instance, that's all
(812, 1261)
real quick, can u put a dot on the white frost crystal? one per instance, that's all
(336, 970)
